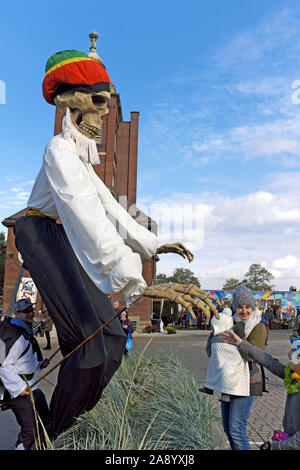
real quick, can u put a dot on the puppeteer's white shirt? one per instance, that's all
(68, 188)
(15, 364)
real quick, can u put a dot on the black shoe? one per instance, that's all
(206, 390)
(47, 347)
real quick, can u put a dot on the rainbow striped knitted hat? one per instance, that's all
(73, 70)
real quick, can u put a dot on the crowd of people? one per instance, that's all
(272, 314)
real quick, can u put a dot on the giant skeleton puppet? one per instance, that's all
(75, 264)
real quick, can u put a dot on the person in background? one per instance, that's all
(127, 326)
(126, 323)
(222, 306)
(115, 305)
(47, 326)
(270, 317)
(296, 327)
(187, 319)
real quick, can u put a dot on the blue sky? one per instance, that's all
(219, 135)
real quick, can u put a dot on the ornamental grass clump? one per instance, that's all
(151, 403)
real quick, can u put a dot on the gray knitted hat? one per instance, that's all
(242, 296)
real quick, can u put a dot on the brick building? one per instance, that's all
(118, 153)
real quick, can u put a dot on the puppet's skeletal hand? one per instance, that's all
(178, 248)
(188, 295)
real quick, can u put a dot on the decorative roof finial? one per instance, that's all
(93, 55)
(94, 36)
(93, 48)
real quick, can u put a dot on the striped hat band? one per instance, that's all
(73, 70)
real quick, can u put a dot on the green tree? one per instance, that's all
(231, 284)
(2, 264)
(161, 278)
(180, 276)
(258, 278)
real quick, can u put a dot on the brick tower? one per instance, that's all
(118, 153)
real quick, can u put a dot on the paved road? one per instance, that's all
(189, 346)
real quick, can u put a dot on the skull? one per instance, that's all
(86, 109)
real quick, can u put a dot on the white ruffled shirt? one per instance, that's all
(68, 188)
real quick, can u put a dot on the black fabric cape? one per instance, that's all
(77, 309)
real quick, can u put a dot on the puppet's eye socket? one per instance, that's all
(98, 100)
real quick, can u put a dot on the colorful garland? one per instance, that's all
(288, 379)
(280, 436)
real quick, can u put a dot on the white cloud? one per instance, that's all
(256, 210)
(254, 46)
(21, 196)
(287, 180)
(275, 146)
(276, 273)
(14, 198)
(264, 140)
(260, 227)
(272, 131)
(286, 263)
(264, 87)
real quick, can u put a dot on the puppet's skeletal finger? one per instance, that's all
(183, 251)
(166, 291)
(200, 304)
(195, 291)
(177, 248)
